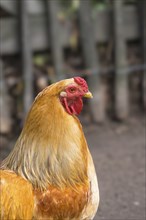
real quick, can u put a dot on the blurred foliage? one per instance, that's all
(101, 4)
(70, 7)
(40, 60)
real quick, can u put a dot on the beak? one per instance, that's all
(88, 95)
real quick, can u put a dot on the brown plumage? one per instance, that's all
(50, 173)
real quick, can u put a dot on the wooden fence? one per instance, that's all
(32, 26)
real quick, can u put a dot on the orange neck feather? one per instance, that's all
(51, 148)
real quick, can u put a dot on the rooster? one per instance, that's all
(50, 175)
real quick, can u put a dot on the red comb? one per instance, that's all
(82, 82)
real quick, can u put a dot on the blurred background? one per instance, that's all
(43, 41)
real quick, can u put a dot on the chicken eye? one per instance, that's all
(72, 89)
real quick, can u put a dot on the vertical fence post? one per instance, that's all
(91, 61)
(121, 81)
(144, 51)
(27, 68)
(142, 31)
(55, 36)
(5, 117)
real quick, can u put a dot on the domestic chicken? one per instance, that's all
(50, 175)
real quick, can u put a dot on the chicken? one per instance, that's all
(50, 175)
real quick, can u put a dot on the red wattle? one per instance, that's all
(73, 106)
(78, 105)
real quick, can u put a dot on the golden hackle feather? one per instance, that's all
(51, 144)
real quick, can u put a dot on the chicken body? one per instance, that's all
(50, 174)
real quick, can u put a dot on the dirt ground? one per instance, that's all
(119, 155)
(118, 151)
